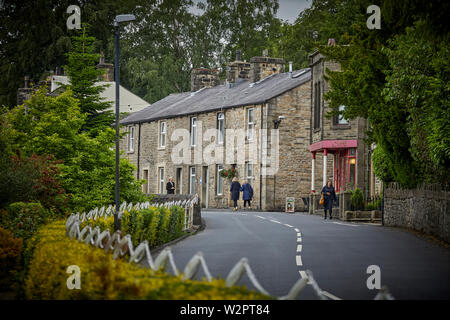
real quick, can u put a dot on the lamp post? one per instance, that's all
(118, 19)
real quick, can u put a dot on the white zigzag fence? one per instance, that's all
(122, 246)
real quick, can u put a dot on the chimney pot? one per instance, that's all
(27, 79)
(238, 55)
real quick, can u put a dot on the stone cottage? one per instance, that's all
(337, 147)
(257, 122)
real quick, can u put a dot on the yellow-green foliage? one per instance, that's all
(157, 225)
(102, 277)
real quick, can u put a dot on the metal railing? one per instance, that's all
(122, 246)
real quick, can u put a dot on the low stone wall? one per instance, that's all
(425, 209)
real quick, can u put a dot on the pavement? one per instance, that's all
(280, 247)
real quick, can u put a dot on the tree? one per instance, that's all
(83, 75)
(402, 96)
(51, 126)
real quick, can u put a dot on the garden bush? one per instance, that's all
(157, 225)
(357, 199)
(10, 258)
(24, 219)
(102, 277)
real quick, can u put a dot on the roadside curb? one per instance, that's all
(191, 232)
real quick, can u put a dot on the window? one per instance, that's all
(220, 128)
(317, 105)
(219, 180)
(250, 123)
(162, 134)
(193, 131)
(130, 139)
(161, 180)
(192, 180)
(340, 118)
(249, 171)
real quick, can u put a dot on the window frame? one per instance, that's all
(130, 139)
(192, 178)
(220, 131)
(162, 134)
(247, 166)
(219, 179)
(193, 131)
(250, 124)
(161, 179)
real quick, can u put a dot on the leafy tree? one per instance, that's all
(52, 125)
(83, 75)
(379, 68)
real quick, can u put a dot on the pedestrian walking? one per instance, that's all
(235, 192)
(170, 187)
(247, 193)
(329, 195)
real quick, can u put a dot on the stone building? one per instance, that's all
(337, 147)
(257, 122)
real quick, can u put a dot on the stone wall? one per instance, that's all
(426, 209)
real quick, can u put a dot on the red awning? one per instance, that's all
(333, 144)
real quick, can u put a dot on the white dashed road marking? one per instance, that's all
(288, 225)
(296, 230)
(299, 248)
(299, 239)
(275, 221)
(298, 259)
(299, 234)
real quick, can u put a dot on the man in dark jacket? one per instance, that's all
(329, 196)
(170, 187)
(235, 190)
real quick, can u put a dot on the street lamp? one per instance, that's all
(118, 19)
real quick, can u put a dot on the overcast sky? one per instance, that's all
(288, 10)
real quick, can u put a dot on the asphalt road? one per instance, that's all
(338, 253)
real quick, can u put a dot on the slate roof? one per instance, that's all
(220, 97)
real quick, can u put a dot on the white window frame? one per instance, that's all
(131, 139)
(341, 119)
(162, 134)
(247, 167)
(250, 124)
(220, 127)
(192, 174)
(193, 131)
(161, 179)
(219, 180)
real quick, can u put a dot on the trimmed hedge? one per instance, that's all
(102, 277)
(157, 225)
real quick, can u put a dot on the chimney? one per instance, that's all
(238, 70)
(27, 81)
(108, 74)
(290, 69)
(204, 78)
(331, 42)
(262, 67)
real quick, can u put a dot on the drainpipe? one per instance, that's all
(139, 152)
(260, 158)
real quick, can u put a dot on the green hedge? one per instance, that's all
(157, 225)
(102, 277)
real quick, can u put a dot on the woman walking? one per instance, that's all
(247, 193)
(235, 190)
(329, 196)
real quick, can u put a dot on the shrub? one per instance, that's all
(102, 277)
(10, 258)
(357, 199)
(157, 225)
(25, 218)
